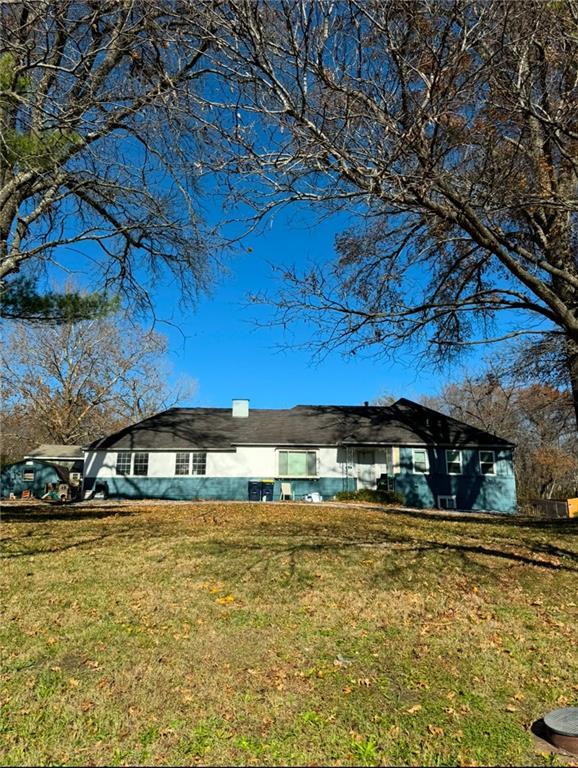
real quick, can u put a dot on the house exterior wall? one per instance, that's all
(217, 488)
(246, 461)
(229, 472)
(12, 478)
(472, 489)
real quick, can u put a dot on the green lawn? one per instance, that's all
(282, 634)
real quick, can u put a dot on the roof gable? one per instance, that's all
(434, 426)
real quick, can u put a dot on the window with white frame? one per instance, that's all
(454, 462)
(141, 464)
(447, 502)
(183, 464)
(487, 462)
(28, 474)
(123, 462)
(419, 461)
(297, 464)
(199, 463)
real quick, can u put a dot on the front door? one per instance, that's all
(365, 468)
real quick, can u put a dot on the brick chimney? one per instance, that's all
(240, 409)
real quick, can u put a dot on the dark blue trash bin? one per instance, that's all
(254, 490)
(267, 491)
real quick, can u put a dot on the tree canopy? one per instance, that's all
(449, 129)
(73, 382)
(97, 147)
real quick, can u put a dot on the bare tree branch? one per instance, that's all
(97, 141)
(449, 129)
(76, 381)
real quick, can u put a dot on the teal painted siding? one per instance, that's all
(218, 488)
(473, 491)
(12, 478)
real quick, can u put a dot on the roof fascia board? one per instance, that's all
(384, 443)
(400, 443)
(178, 449)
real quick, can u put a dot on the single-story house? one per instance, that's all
(217, 453)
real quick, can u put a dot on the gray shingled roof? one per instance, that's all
(62, 452)
(404, 422)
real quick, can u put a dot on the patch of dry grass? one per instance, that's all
(281, 634)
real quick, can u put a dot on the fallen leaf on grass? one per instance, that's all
(226, 600)
(415, 708)
(435, 730)
(465, 761)
(519, 696)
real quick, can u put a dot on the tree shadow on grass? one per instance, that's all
(568, 525)
(293, 538)
(268, 555)
(32, 513)
(34, 552)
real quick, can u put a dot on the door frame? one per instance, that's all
(369, 478)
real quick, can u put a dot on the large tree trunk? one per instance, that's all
(563, 253)
(571, 346)
(572, 356)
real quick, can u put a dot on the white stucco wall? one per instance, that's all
(246, 461)
(99, 464)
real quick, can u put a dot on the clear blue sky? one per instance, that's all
(219, 345)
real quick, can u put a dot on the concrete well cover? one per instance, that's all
(563, 721)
